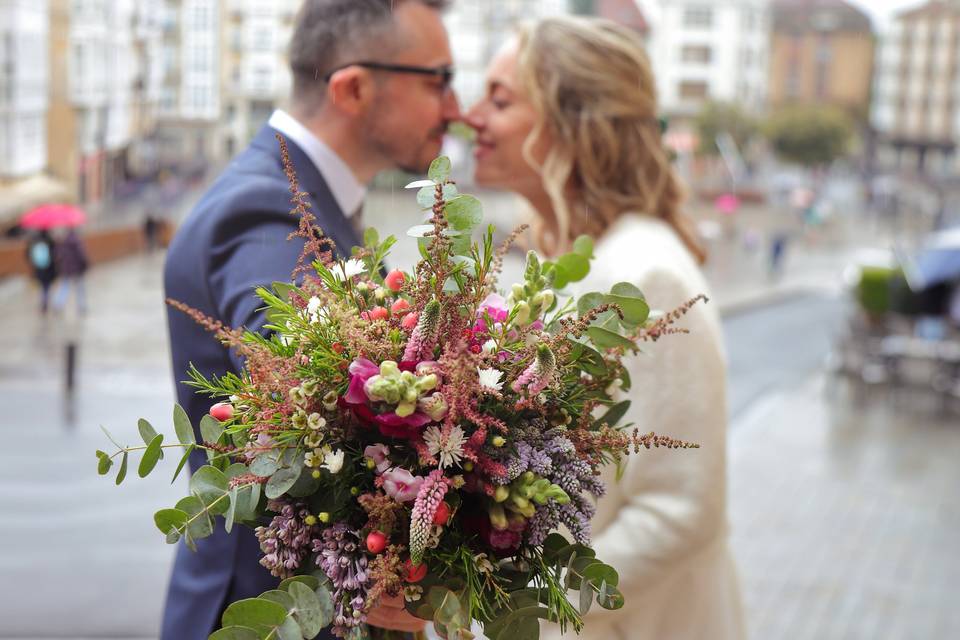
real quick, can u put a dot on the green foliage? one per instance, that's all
(810, 135)
(151, 455)
(720, 117)
(298, 609)
(439, 169)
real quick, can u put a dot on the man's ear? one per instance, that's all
(351, 90)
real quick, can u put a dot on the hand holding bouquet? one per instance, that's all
(416, 434)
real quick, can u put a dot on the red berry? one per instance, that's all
(394, 280)
(414, 572)
(475, 348)
(441, 515)
(409, 321)
(222, 411)
(337, 347)
(399, 307)
(379, 313)
(376, 542)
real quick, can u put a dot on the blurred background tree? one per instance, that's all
(810, 135)
(724, 117)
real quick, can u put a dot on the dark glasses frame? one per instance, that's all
(445, 72)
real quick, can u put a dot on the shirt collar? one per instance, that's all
(346, 189)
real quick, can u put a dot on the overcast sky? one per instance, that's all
(882, 10)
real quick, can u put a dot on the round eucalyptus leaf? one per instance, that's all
(255, 613)
(167, 518)
(575, 266)
(264, 465)
(234, 633)
(420, 230)
(147, 432)
(103, 463)
(589, 301)
(282, 480)
(289, 630)
(282, 598)
(628, 290)
(583, 246)
(635, 310)
(606, 339)
(599, 572)
(210, 429)
(308, 614)
(439, 169)
(210, 485)
(200, 524)
(309, 581)
(464, 212)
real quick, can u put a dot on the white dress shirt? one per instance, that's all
(346, 189)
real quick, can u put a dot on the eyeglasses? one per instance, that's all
(445, 72)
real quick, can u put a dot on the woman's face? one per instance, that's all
(503, 119)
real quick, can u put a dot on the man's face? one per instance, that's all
(411, 112)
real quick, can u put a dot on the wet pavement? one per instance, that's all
(843, 509)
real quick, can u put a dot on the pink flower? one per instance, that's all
(494, 306)
(361, 370)
(401, 485)
(378, 453)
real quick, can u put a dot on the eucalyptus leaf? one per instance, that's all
(599, 572)
(589, 301)
(613, 415)
(289, 630)
(557, 275)
(264, 465)
(420, 230)
(627, 290)
(150, 456)
(309, 581)
(183, 461)
(553, 545)
(308, 613)
(439, 169)
(464, 212)
(255, 613)
(181, 425)
(173, 536)
(326, 604)
(103, 462)
(426, 197)
(635, 310)
(282, 480)
(606, 339)
(306, 485)
(612, 598)
(200, 524)
(210, 485)
(282, 598)
(210, 429)
(586, 598)
(583, 246)
(167, 518)
(234, 633)
(147, 432)
(575, 266)
(417, 184)
(122, 473)
(231, 510)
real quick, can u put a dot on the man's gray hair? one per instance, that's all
(328, 33)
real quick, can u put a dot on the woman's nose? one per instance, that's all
(474, 117)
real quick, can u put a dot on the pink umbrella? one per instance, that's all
(727, 203)
(47, 216)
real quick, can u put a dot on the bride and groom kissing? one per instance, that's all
(569, 122)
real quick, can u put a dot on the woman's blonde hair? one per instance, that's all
(592, 87)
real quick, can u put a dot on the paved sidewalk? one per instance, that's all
(845, 515)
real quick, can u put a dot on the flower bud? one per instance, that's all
(310, 520)
(222, 411)
(498, 441)
(395, 280)
(324, 517)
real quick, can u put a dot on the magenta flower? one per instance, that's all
(494, 306)
(401, 485)
(378, 453)
(361, 370)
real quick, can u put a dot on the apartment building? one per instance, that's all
(916, 105)
(822, 53)
(709, 50)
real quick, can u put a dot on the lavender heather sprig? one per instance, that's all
(342, 559)
(286, 541)
(421, 521)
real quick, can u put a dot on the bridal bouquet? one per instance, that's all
(416, 434)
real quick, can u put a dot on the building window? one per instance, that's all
(693, 90)
(695, 53)
(698, 17)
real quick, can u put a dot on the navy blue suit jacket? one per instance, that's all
(233, 241)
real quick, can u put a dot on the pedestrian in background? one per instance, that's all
(40, 255)
(71, 260)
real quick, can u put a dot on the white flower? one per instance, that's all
(352, 267)
(489, 346)
(448, 447)
(313, 305)
(490, 379)
(333, 461)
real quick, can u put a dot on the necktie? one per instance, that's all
(356, 221)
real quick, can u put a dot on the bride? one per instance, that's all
(569, 122)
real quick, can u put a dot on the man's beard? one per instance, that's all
(400, 155)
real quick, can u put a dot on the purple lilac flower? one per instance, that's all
(342, 559)
(286, 541)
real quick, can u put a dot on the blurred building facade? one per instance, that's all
(819, 54)
(916, 106)
(709, 51)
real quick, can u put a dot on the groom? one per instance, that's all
(371, 91)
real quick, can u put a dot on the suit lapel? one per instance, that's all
(324, 206)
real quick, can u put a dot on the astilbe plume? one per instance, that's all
(421, 520)
(286, 541)
(342, 559)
